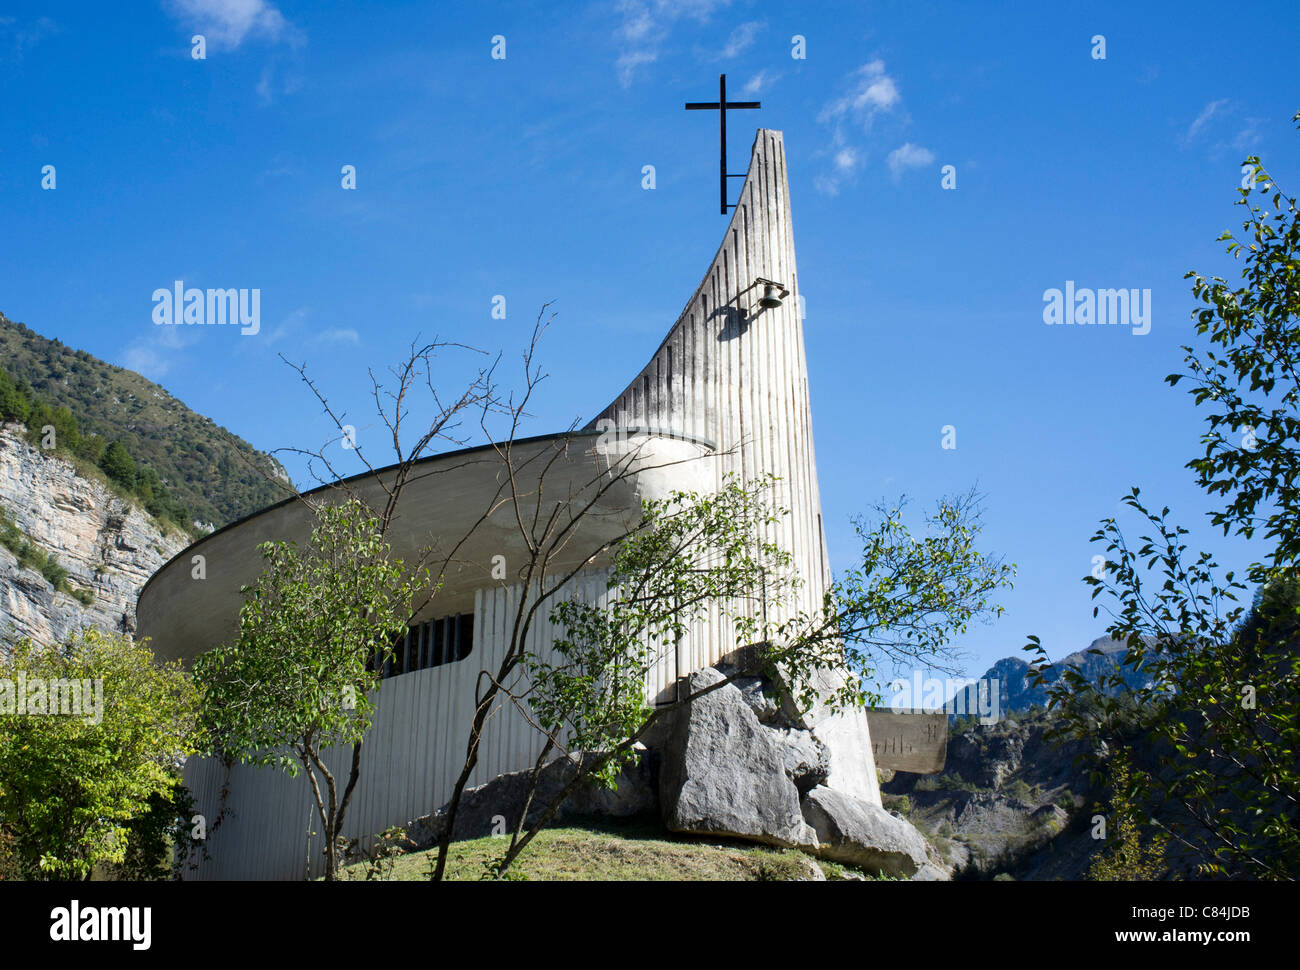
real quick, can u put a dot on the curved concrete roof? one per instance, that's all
(446, 498)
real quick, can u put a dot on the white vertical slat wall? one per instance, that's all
(410, 761)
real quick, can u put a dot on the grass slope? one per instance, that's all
(608, 851)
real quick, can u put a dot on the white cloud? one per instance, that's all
(1221, 128)
(276, 78)
(870, 92)
(286, 327)
(1208, 112)
(645, 24)
(908, 156)
(146, 360)
(282, 163)
(1246, 140)
(264, 85)
(154, 353)
(337, 335)
(760, 82)
(17, 39)
(629, 61)
(742, 38)
(297, 325)
(826, 185)
(637, 22)
(228, 23)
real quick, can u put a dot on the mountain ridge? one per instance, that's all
(215, 474)
(1015, 694)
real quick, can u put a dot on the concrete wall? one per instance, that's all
(735, 373)
(411, 758)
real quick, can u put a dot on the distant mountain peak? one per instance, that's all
(1101, 657)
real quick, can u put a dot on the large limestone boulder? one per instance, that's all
(859, 834)
(760, 700)
(807, 760)
(852, 763)
(843, 736)
(724, 773)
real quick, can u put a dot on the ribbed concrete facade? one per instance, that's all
(735, 373)
(726, 393)
(412, 757)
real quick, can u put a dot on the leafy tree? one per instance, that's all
(118, 465)
(695, 552)
(91, 448)
(147, 485)
(1125, 857)
(54, 574)
(963, 723)
(14, 404)
(42, 415)
(67, 434)
(1250, 379)
(911, 594)
(1220, 719)
(1020, 789)
(9, 868)
(300, 678)
(157, 499)
(72, 784)
(588, 697)
(154, 835)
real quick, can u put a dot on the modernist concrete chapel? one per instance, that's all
(725, 393)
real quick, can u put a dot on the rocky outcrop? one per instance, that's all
(724, 772)
(730, 763)
(859, 834)
(738, 761)
(807, 759)
(108, 545)
(761, 700)
(843, 734)
(986, 758)
(1007, 792)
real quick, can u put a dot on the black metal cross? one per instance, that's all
(721, 106)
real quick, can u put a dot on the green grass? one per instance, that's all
(616, 851)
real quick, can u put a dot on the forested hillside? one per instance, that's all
(210, 474)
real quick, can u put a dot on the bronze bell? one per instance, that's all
(773, 294)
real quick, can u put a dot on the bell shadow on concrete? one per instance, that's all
(736, 318)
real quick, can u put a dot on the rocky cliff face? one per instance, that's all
(108, 545)
(1005, 795)
(1012, 803)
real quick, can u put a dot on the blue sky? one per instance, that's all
(522, 177)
